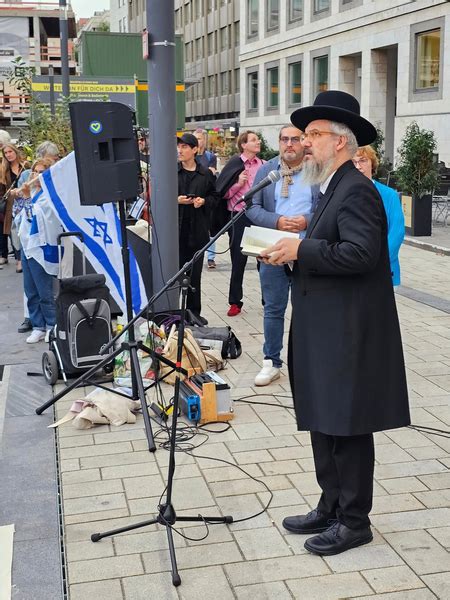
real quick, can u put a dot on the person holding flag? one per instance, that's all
(38, 230)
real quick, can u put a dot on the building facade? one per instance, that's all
(393, 55)
(30, 30)
(211, 30)
(118, 16)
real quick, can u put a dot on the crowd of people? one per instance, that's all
(286, 205)
(20, 193)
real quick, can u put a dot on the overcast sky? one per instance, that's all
(86, 8)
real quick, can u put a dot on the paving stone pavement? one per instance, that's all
(109, 480)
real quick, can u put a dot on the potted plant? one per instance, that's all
(417, 176)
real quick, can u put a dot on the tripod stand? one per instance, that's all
(166, 512)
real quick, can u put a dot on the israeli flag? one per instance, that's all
(38, 230)
(100, 226)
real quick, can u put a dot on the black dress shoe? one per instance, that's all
(26, 326)
(338, 538)
(314, 522)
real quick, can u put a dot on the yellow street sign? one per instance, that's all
(86, 86)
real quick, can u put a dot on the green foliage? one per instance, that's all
(103, 26)
(41, 124)
(416, 173)
(384, 164)
(266, 151)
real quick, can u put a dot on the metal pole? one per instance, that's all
(163, 152)
(64, 42)
(51, 80)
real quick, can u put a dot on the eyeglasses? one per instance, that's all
(314, 134)
(360, 161)
(293, 140)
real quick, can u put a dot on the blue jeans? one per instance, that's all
(275, 285)
(212, 252)
(38, 286)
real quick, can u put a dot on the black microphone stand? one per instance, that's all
(166, 515)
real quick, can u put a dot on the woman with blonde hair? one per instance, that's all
(366, 161)
(11, 167)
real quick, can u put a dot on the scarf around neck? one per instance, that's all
(286, 173)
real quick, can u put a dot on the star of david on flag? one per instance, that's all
(100, 226)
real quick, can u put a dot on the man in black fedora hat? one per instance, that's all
(345, 355)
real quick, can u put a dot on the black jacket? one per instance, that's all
(193, 222)
(345, 350)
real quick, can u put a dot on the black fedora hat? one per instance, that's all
(340, 107)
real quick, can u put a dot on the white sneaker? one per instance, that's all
(36, 336)
(267, 374)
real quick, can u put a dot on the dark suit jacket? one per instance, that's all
(345, 351)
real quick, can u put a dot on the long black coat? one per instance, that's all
(202, 184)
(345, 351)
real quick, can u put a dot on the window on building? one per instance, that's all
(428, 59)
(211, 5)
(321, 6)
(178, 19)
(187, 13)
(197, 8)
(236, 33)
(252, 17)
(198, 48)
(295, 10)
(188, 52)
(120, 25)
(237, 80)
(212, 85)
(320, 69)
(252, 90)
(211, 44)
(273, 90)
(224, 83)
(295, 83)
(224, 38)
(125, 28)
(273, 14)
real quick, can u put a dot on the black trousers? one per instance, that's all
(344, 471)
(238, 260)
(194, 297)
(3, 242)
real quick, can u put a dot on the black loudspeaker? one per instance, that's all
(106, 151)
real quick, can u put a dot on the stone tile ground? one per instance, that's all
(109, 480)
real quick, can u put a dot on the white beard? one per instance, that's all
(315, 173)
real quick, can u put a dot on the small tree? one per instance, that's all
(417, 173)
(41, 124)
(266, 152)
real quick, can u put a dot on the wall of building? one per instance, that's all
(371, 53)
(118, 14)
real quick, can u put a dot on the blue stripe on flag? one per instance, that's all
(134, 273)
(34, 226)
(50, 253)
(70, 225)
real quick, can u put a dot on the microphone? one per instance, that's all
(272, 177)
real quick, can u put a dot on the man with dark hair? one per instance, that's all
(197, 196)
(284, 205)
(235, 179)
(345, 351)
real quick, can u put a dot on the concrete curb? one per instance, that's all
(426, 246)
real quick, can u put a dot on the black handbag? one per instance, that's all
(3, 205)
(231, 346)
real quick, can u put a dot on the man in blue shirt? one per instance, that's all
(286, 206)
